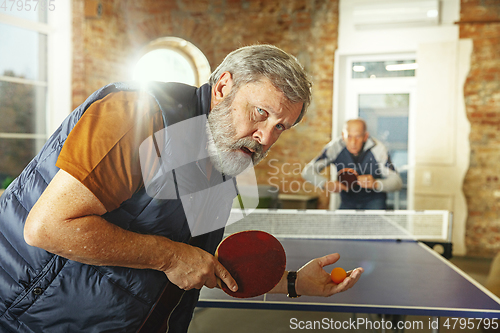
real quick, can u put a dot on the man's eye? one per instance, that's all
(261, 112)
(280, 127)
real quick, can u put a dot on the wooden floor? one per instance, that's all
(275, 321)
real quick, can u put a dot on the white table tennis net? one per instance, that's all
(343, 224)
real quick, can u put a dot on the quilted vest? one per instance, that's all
(43, 292)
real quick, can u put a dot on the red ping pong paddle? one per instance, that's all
(255, 259)
(348, 177)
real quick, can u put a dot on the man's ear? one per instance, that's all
(366, 136)
(222, 88)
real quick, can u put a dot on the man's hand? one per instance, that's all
(313, 280)
(367, 181)
(335, 187)
(191, 267)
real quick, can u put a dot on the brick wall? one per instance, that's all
(481, 23)
(105, 48)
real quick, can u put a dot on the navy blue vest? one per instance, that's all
(43, 292)
(366, 165)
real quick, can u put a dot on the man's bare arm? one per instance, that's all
(66, 220)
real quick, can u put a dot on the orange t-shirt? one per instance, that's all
(102, 150)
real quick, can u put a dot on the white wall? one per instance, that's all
(438, 141)
(442, 150)
(400, 38)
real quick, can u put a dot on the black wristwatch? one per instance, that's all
(291, 277)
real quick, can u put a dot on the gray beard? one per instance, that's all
(224, 150)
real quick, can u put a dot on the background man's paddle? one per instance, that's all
(348, 177)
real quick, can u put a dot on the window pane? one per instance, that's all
(386, 116)
(392, 68)
(16, 154)
(32, 10)
(22, 108)
(166, 66)
(23, 53)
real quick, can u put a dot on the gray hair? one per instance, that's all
(352, 121)
(252, 63)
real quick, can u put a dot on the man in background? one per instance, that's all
(367, 157)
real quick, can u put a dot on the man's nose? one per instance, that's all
(264, 135)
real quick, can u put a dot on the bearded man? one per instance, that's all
(97, 225)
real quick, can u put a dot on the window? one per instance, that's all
(172, 59)
(34, 50)
(23, 89)
(386, 116)
(379, 69)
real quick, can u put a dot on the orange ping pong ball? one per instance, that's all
(338, 275)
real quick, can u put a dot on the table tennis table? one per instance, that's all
(402, 275)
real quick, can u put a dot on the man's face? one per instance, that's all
(354, 136)
(245, 125)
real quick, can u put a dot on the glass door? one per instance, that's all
(386, 116)
(380, 89)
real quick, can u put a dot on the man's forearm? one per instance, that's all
(66, 220)
(94, 241)
(392, 183)
(313, 177)
(282, 286)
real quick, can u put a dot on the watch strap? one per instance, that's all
(291, 278)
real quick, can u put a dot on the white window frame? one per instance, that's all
(59, 66)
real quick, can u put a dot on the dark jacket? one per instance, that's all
(373, 160)
(43, 292)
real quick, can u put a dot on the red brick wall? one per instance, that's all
(481, 23)
(106, 47)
